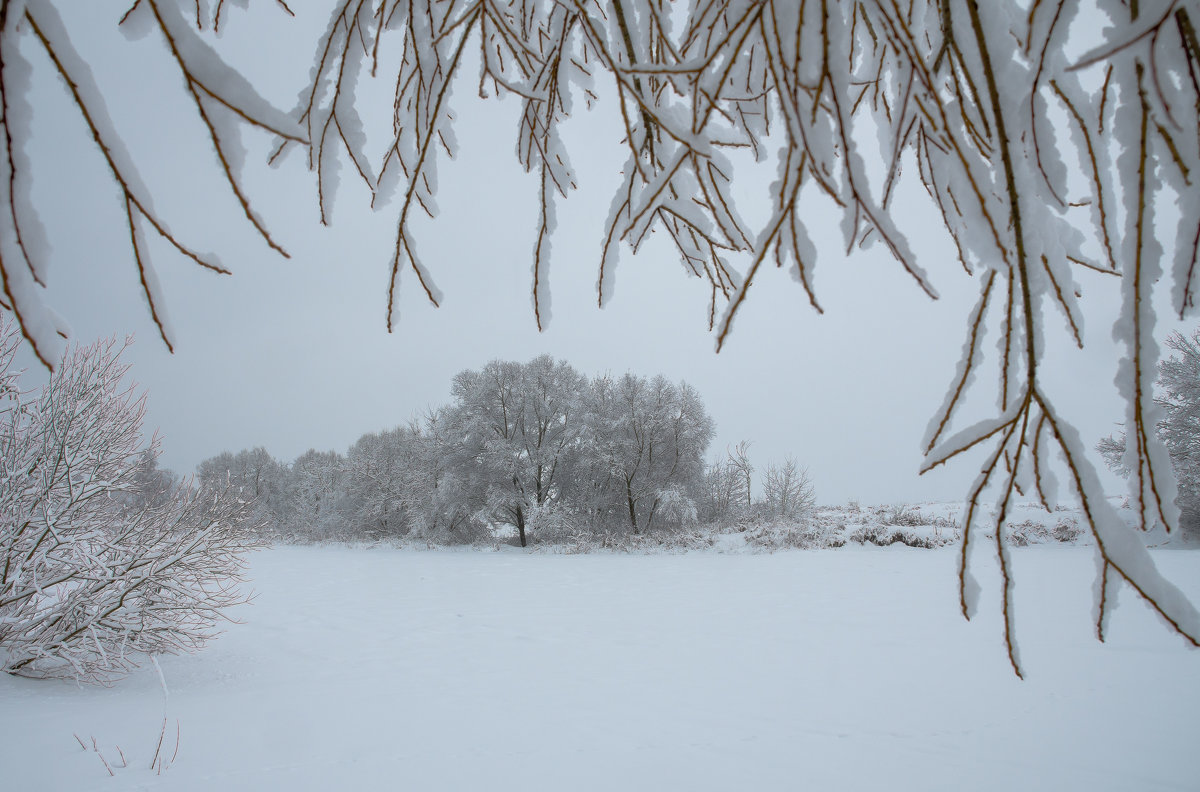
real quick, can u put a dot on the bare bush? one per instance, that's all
(91, 573)
(1029, 532)
(806, 535)
(722, 498)
(788, 491)
(884, 535)
(1066, 530)
(905, 516)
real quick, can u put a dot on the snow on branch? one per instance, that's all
(210, 83)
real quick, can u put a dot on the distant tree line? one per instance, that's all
(537, 447)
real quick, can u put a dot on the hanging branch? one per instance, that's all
(135, 205)
(195, 87)
(203, 72)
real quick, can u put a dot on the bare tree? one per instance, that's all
(727, 481)
(720, 499)
(968, 91)
(788, 491)
(739, 462)
(95, 570)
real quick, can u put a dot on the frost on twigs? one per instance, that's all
(95, 567)
(997, 172)
(216, 91)
(698, 88)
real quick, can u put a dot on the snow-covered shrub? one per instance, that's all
(788, 491)
(94, 570)
(552, 523)
(802, 535)
(675, 510)
(904, 516)
(460, 528)
(1027, 532)
(884, 535)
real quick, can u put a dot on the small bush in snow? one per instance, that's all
(1030, 532)
(558, 525)
(1067, 530)
(806, 535)
(905, 516)
(884, 535)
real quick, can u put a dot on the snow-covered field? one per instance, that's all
(480, 670)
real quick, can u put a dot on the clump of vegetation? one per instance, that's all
(884, 535)
(104, 558)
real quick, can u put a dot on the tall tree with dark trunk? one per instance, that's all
(516, 422)
(649, 437)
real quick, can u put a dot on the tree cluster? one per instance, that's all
(103, 556)
(786, 494)
(535, 446)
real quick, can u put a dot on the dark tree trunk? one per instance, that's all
(632, 511)
(521, 524)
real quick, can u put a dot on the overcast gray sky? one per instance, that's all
(293, 354)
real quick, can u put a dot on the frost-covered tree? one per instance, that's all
(98, 564)
(1178, 398)
(440, 493)
(739, 462)
(377, 466)
(646, 439)
(529, 445)
(516, 423)
(787, 491)
(1049, 137)
(721, 496)
(726, 493)
(152, 485)
(320, 506)
(256, 477)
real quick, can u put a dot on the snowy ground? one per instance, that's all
(824, 670)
